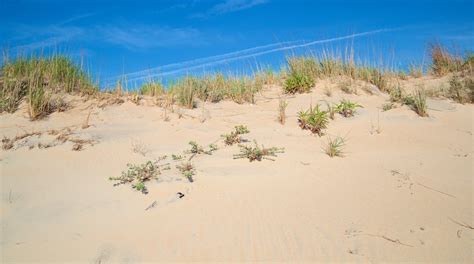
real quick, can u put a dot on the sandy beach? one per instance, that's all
(402, 191)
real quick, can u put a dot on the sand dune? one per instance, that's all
(402, 192)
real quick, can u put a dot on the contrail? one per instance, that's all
(207, 59)
(225, 60)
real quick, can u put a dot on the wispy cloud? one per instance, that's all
(75, 18)
(187, 66)
(235, 5)
(230, 6)
(146, 36)
(130, 36)
(48, 36)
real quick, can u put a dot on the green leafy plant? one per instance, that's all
(347, 108)
(187, 170)
(137, 175)
(195, 148)
(235, 136)
(334, 147)
(313, 119)
(257, 152)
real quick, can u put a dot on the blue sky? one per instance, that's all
(166, 39)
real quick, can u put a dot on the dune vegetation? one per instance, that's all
(42, 81)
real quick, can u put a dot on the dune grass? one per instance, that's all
(334, 147)
(461, 89)
(313, 119)
(37, 78)
(214, 88)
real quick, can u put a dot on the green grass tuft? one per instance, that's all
(313, 119)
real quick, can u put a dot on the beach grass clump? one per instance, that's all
(415, 71)
(187, 170)
(444, 62)
(461, 89)
(214, 88)
(257, 152)
(396, 94)
(334, 147)
(57, 73)
(184, 92)
(267, 77)
(331, 109)
(243, 89)
(417, 102)
(152, 89)
(313, 119)
(235, 136)
(347, 108)
(138, 175)
(301, 75)
(38, 103)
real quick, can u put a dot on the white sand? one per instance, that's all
(395, 196)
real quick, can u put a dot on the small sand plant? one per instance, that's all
(388, 106)
(347, 87)
(198, 149)
(327, 91)
(138, 175)
(187, 170)
(396, 94)
(331, 110)
(282, 104)
(235, 136)
(139, 148)
(213, 147)
(419, 104)
(86, 121)
(333, 147)
(347, 108)
(176, 157)
(257, 152)
(313, 119)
